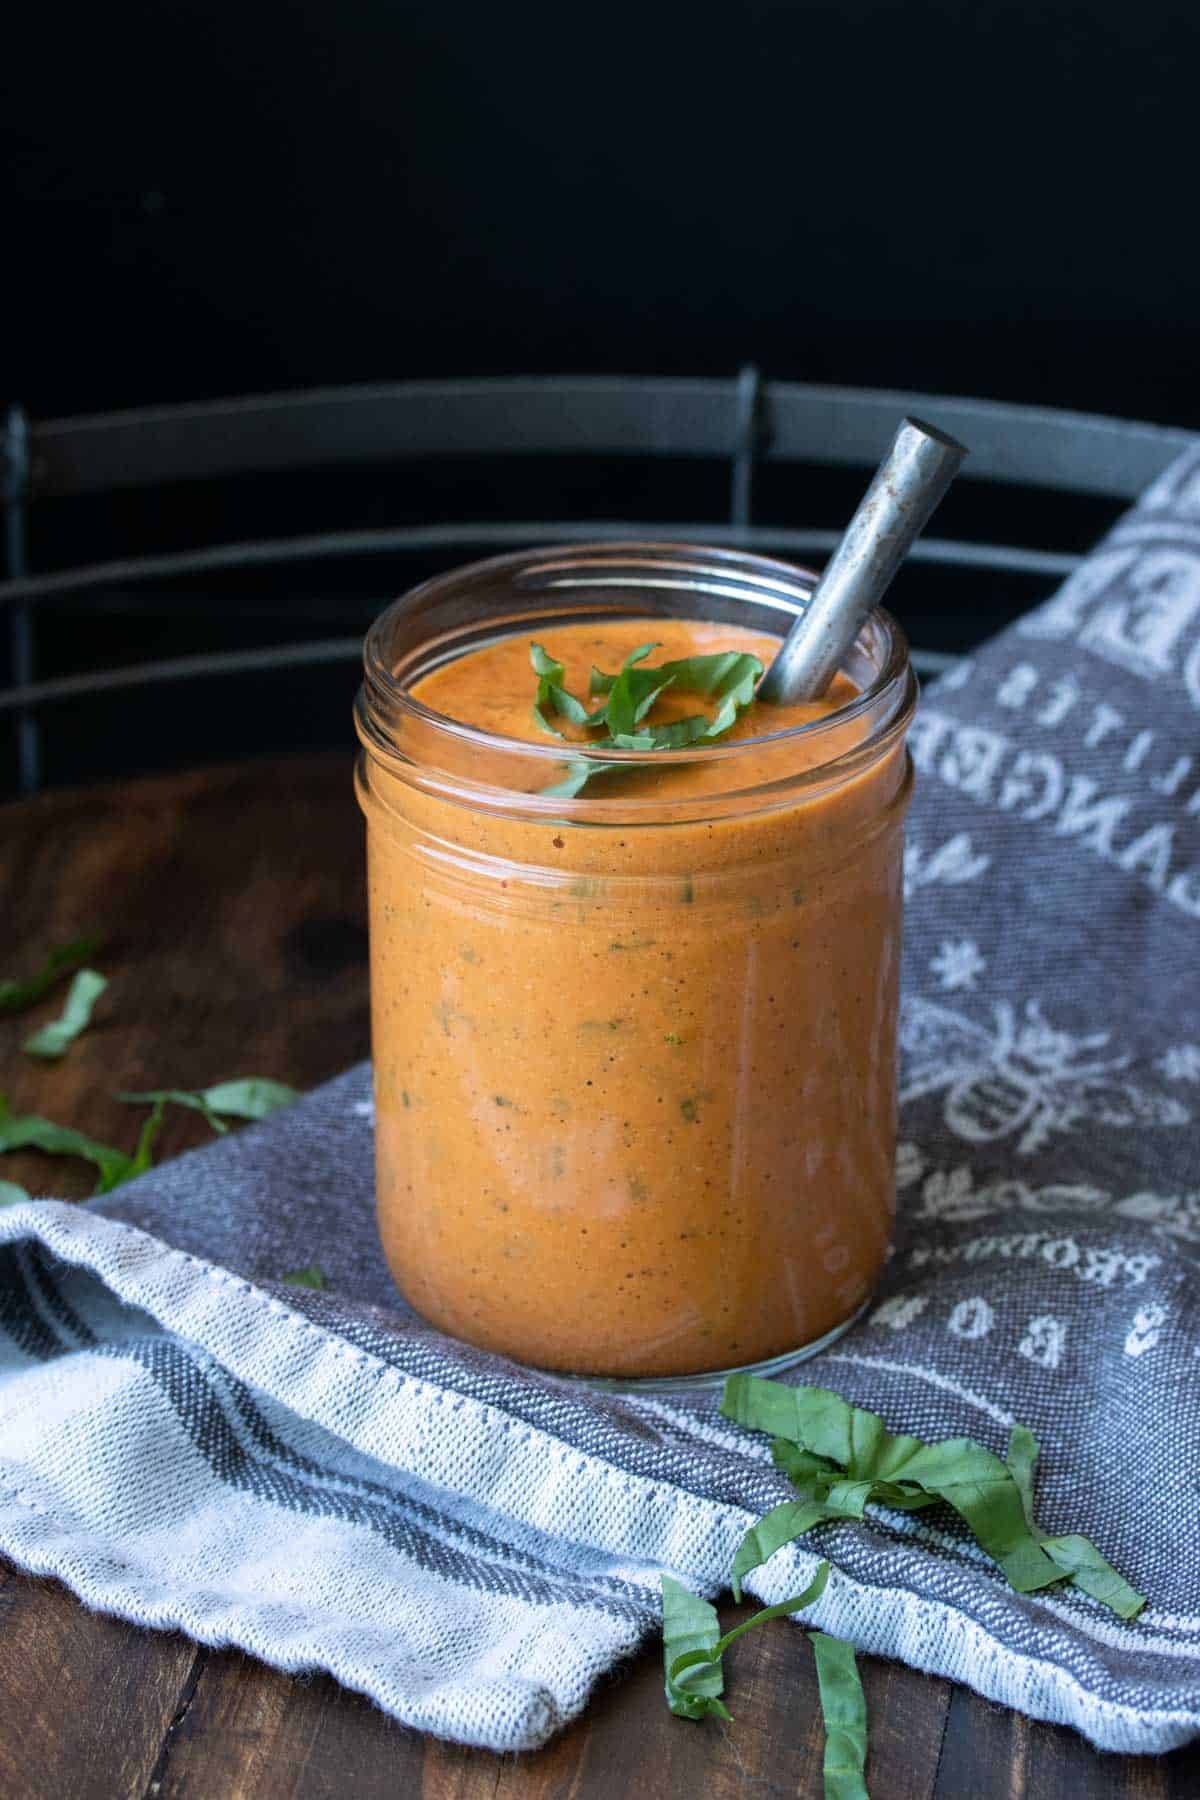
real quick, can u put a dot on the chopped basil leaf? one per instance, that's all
(552, 693)
(33, 1132)
(53, 1040)
(177, 1097)
(800, 1465)
(974, 1482)
(632, 694)
(15, 996)
(251, 1098)
(601, 683)
(782, 1525)
(692, 1651)
(697, 1673)
(900, 1470)
(310, 1277)
(690, 1626)
(729, 676)
(1077, 1557)
(816, 1477)
(142, 1156)
(844, 1709)
(12, 1193)
(580, 770)
(824, 1494)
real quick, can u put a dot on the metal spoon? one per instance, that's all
(908, 484)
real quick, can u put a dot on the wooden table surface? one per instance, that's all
(233, 900)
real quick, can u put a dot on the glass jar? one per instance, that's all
(634, 1053)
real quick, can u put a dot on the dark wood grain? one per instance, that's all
(234, 904)
(988, 1750)
(85, 1701)
(233, 907)
(246, 1732)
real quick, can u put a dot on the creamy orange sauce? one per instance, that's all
(635, 1089)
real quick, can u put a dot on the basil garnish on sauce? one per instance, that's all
(729, 677)
(551, 693)
(54, 1039)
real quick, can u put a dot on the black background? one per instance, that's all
(995, 199)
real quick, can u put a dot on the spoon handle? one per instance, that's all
(907, 486)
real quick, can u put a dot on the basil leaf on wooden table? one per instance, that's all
(54, 1039)
(143, 1154)
(692, 1650)
(253, 1097)
(691, 1625)
(36, 1133)
(16, 996)
(844, 1709)
(197, 1102)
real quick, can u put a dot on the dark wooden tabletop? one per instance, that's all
(233, 900)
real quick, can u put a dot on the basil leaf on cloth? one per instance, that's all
(53, 1040)
(897, 1470)
(1076, 1556)
(782, 1525)
(310, 1277)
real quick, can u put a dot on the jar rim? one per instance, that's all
(386, 702)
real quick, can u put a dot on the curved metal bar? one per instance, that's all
(244, 662)
(181, 668)
(1074, 452)
(488, 534)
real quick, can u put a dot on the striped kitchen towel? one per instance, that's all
(320, 1478)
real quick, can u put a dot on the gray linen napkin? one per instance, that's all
(323, 1480)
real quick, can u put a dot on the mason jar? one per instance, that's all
(634, 1049)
